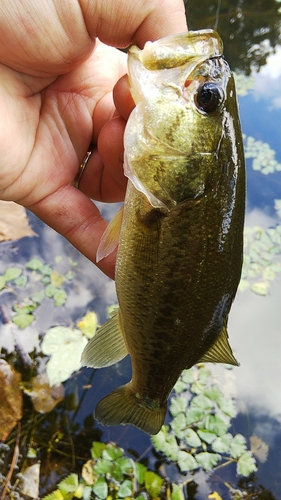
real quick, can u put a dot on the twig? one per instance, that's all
(13, 464)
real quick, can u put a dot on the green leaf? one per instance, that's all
(12, 273)
(56, 278)
(50, 290)
(192, 439)
(125, 464)
(180, 386)
(237, 446)
(2, 282)
(186, 461)
(97, 449)
(102, 466)
(213, 393)
(69, 484)
(126, 489)
(35, 264)
(204, 374)
(206, 436)
(87, 490)
(69, 275)
(198, 387)
(165, 442)
(193, 415)
(88, 324)
(37, 297)
(112, 452)
(140, 471)
(177, 493)
(246, 464)
(187, 376)
(201, 402)
(216, 424)
(222, 443)
(260, 287)
(100, 488)
(227, 406)
(153, 483)
(178, 405)
(21, 280)
(207, 460)
(24, 307)
(60, 298)
(55, 495)
(23, 320)
(120, 467)
(178, 425)
(46, 270)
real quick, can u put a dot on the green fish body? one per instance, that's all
(180, 247)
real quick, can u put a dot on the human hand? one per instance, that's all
(56, 97)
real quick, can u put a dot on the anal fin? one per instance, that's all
(220, 351)
(107, 346)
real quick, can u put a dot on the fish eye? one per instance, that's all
(209, 97)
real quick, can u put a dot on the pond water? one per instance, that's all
(250, 31)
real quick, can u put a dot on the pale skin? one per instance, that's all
(62, 86)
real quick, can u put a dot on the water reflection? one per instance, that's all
(250, 29)
(254, 324)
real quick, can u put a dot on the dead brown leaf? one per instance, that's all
(10, 397)
(44, 397)
(29, 481)
(259, 448)
(13, 222)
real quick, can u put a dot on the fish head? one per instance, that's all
(185, 100)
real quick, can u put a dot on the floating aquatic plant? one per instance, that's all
(198, 435)
(262, 248)
(243, 83)
(41, 281)
(111, 475)
(277, 206)
(262, 154)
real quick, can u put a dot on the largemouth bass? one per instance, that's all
(180, 246)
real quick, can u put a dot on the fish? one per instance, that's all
(180, 231)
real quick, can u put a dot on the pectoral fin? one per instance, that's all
(220, 352)
(107, 346)
(110, 237)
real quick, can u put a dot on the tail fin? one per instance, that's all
(122, 406)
